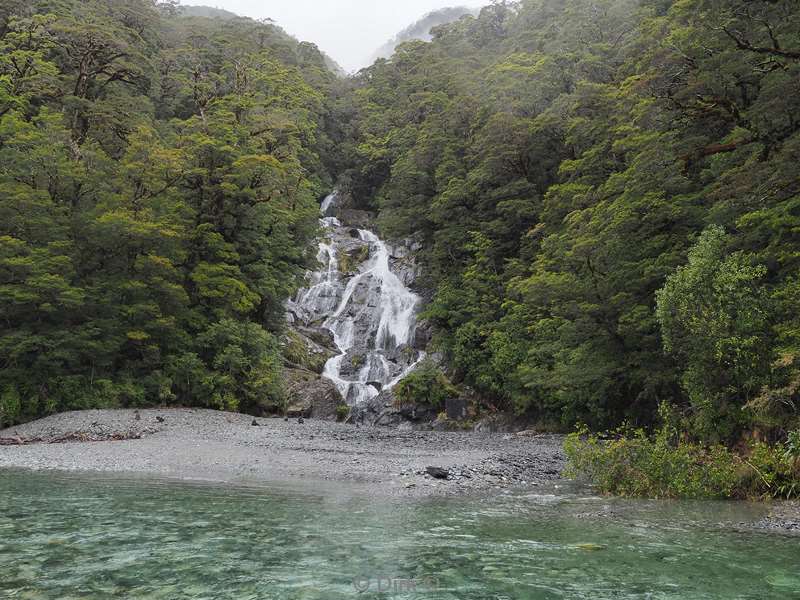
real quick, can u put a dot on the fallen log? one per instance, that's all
(71, 438)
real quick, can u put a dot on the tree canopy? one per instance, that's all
(159, 178)
(567, 159)
(607, 192)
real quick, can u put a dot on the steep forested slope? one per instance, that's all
(607, 190)
(421, 29)
(158, 185)
(610, 199)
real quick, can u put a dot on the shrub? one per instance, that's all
(640, 466)
(774, 470)
(10, 407)
(425, 385)
(637, 465)
(792, 446)
(342, 412)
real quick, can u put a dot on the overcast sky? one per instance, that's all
(348, 30)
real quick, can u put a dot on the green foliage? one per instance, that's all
(560, 161)
(426, 386)
(342, 412)
(774, 472)
(666, 465)
(639, 466)
(159, 176)
(10, 406)
(714, 318)
(793, 446)
(606, 191)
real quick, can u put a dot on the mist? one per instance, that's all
(350, 31)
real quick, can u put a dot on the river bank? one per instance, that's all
(226, 447)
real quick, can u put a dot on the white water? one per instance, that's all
(372, 314)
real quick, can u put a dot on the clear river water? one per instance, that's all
(71, 536)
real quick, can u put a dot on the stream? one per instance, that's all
(70, 537)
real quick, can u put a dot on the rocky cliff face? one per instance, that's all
(354, 326)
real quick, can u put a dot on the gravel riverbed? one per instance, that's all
(225, 447)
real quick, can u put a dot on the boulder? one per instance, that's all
(423, 333)
(319, 335)
(502, 423)
(456, 408)
(438, 472)
(385, 411)
(311, 396)
(361, 219)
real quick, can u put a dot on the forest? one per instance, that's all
(159, 177)
(609, 197)
(607, 194)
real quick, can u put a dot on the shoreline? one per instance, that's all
(196, 444)
(205, 447)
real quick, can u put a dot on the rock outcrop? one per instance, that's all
(385, 411)
(311, 396)
(308, 348)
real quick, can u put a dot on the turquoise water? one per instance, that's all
(71, 537)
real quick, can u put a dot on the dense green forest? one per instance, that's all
(159, 179)
(607, 192)
(609, 197)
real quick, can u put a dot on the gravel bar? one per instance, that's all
(192, 444)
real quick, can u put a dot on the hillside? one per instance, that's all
(584, 213)
(421, 29)
(206, 12)
(161, 176)
(608, 199)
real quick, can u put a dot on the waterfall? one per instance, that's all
(369, 310)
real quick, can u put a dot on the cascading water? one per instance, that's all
(359, 298)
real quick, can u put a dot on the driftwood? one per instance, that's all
(72, 437)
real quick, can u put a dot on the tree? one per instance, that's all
(715, 320)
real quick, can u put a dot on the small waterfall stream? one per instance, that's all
(367, 307)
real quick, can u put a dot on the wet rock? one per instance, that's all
(438, 472)
(456, 408)
(501, 423)
(330, 205)
(423, 333)
(384, 410)
(319, 335)
(371, 411)
(308, 348)
(255, 423)
(360, 219)
(351, 261)
(406, 270)
(311, 396)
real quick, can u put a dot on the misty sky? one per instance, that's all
(348, 30)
